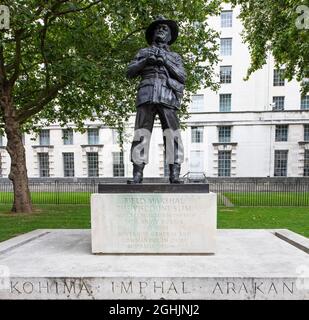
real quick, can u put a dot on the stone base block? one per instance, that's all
(161, 223)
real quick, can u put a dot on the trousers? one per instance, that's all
(145, 117)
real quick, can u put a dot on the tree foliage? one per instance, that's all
(279, 27)
(65, 61)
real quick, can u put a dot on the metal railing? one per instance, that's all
(231, 192)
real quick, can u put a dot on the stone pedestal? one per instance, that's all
(156, 219)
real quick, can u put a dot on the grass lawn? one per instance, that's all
(46, 217)
(293, 218)
(267, 198)
(78, 216)
(46, 197)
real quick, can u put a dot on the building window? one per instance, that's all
(226, 47)
(224, 163)
(197, 104)
(224, 134)
(278, 103)
(225, 102)
(44, 137)
(226, 74)
(0, 165)
(93, 164)
(278, 77)
(282, 132)
(68, 164)
(43, 164)
(281, 163)
(197, 134)
(306, 164)
(93, 136)
(226, 19)
(67, 136)
(306, 132)
(304, 104)
(118, 165)
(197, 161)
(115, 136)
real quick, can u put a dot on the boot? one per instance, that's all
(174, 173)
(137, 174)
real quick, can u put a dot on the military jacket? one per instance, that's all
(155, 87)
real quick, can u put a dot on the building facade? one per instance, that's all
(254, 128)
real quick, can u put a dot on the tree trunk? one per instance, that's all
(16, 150)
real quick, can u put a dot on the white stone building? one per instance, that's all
(254, 128)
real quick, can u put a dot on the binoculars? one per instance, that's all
(154, 57)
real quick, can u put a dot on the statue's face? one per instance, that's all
(162, 33)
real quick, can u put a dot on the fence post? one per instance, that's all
(57, 191)
(94, 190)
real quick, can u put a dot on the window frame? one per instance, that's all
(224, 163)
(226, 47)
(200, 105)
(223, 105)
(279, 103)
(96, 137)
(93, 169)
(68, 139)
(224, 138)
(44, 164)
(118, 166)
(226, 77)
(306, 132)
(226, 22)
(304, 103)
(282, 133)
(70, 168)
(278, 78)
(283, 170)
(46, 137)
(197, 134)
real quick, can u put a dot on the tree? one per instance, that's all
(281, 28)
(65, 61)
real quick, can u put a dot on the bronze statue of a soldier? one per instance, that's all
(159, 93)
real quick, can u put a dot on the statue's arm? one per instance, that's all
(137, 64)
(176, 69)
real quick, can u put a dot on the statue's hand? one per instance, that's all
(152, 51)
(161, 57)
(151, 58)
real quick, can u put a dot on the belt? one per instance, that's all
(154, 76)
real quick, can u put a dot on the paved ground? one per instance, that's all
(249, 264)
